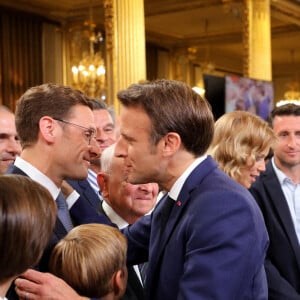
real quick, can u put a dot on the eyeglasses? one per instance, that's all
(89, 133)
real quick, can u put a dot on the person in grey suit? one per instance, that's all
(277, 191)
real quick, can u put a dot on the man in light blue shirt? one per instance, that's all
(277, 192)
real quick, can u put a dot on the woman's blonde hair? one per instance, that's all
(88, 257)
(240, 137)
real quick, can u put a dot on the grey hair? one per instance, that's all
(106, 158)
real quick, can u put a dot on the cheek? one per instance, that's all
(245, 172)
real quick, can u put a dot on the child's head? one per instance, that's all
(27, 218)
(92, 259)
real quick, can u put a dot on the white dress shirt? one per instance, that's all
(45, 181)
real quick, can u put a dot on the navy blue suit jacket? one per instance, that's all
(58, 233)
(80, 207)
(283, 256)
(213, 246)
(86, 191)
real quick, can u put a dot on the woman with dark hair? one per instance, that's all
(27, 218)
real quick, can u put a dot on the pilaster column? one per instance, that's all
(126, 49)
(257, 40)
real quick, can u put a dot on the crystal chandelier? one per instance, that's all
(88, 74)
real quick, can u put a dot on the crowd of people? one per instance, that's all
(171, 205)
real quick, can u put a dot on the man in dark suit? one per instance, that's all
(211, 244)
(105, 136)
(56, 128)
(214, 242)
(277, 192)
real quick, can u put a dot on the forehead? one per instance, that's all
(102, 117)
(82, 113)
(286, 122)
(7, 121)
(134, 120)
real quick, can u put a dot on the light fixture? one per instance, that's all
(88, 74)
(292, 94)
(199, 90)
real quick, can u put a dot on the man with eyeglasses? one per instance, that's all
(56, 128)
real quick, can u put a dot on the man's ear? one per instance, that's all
(103, 184)
(119, 282)
(171, 143)
(48, 127)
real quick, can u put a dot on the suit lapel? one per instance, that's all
(89, 193)
(281, 208)
(59, 229)
(15, 170)
(178, 209)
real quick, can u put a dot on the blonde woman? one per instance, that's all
(240, 145)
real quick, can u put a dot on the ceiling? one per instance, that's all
(210, 29)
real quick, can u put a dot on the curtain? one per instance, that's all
(20, 54)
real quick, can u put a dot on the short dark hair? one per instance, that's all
(44, 100)
(173, 106)
(289, 109)
(97, 104)
(27, 218)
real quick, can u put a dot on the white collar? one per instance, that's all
(177, 186)
(37, 176)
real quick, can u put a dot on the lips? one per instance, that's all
(7, 157)
(87, 159)
(7, 161)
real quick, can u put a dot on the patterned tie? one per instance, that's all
(63, 212)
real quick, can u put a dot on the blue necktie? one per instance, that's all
(63, 212)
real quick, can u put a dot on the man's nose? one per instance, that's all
(121, 147)
(94, 149)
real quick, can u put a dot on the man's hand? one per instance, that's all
(34, 285)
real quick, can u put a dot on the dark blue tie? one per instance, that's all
(63, 212)
(165, 213)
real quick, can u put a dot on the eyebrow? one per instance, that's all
(109, 125)
(127, 137)
(4, 135)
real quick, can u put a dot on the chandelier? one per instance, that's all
(292, 94)
(88, 73)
